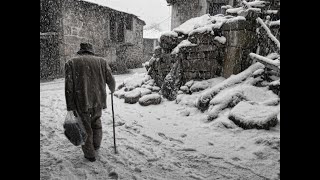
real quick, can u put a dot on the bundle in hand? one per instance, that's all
(74, 130)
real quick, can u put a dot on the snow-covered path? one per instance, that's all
(155, 142)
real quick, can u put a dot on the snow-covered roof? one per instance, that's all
(151, 34)
(106, 4)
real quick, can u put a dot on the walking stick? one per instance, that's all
(114, 132)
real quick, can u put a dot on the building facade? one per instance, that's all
(183, 10)
(64, 24)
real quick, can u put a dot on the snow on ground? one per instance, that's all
(164, 141)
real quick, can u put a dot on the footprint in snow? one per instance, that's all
(113, 175)
(162, 135)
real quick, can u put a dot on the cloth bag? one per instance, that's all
(74, 129)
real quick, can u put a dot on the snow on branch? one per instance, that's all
(275, 23)
(205, 97)
(271, 11)
(272, 64)
(271, 36)
(234, 10)
(256, 3)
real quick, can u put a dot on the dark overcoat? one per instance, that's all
(86, 77)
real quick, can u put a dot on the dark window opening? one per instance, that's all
(113, 28)
(215, 8)
(129, 22)
(120, 29)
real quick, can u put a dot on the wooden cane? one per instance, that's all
(114, 132)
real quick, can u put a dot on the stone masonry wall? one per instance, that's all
(51, 39)
(87, 22)
(78, 21)
(241, 39)
(49, 56)
(209, 58)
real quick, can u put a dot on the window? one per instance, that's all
(117, 25)
(113, 28)
(120, 31)
(129, 22)
(120, 28)
(215, 8)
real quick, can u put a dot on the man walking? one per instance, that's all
(86, 76)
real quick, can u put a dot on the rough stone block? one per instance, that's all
(150, 99)
(230, 61)
(235, 25)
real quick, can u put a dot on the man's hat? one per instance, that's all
(85, 48)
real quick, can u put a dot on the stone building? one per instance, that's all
(182, 10)
(150, 42)
(64, 24)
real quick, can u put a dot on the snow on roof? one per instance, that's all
(151, 33)
(113, 6)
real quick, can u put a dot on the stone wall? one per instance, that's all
(183, 10)
(51, 39)
(210, 58)
(107, 29)
(241, 39)
(49, 56)
(148, 48)
(50, 16)
(207, 58)
(84, 22)
(201, 62)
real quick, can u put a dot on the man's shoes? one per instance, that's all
(91, 159)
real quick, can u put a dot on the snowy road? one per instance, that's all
(155, 142)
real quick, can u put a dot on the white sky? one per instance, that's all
(151, 11)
